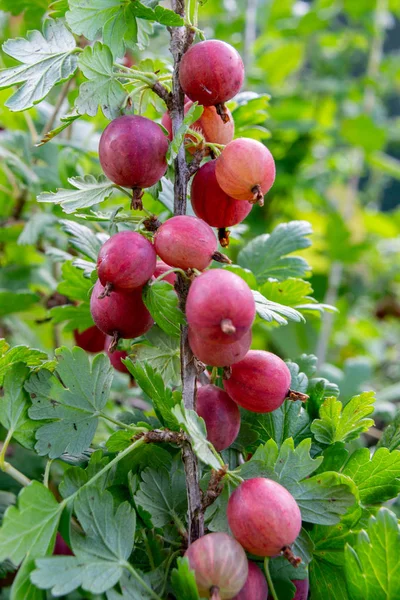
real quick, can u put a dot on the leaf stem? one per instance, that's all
(175, 270)
(271, 588)
(144, 585)
(15, 474)
(122, 424)
(46, 476)
(3, 452)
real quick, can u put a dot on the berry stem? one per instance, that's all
(222, 258)
(258, 197)
(293, 395)
(288, 554)
(271, 588)
(114, 342)
(223, 236)
(174, 270)
(222, 111)
(214, 593)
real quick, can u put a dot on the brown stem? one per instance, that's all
(164, 94)
(107, 291)
(181, 39)
(227, 373)
(287, 552)
(222, 258)
(258, 196)
(214, 593)
(137, 195)
(152, 223)
(215, 487)
(165, 436)
(292, 395)
(227, 326)
(114, 342)
(223, 236)
(198, 156)
(222, 111)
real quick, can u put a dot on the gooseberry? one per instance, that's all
(216, 354)
(221, 416)
(220, 306)
(256, 587)
(220, 565)
(263, 516)
(210, 125)
(260, 382)
(91, 339)
(116, 356)
(162, 267)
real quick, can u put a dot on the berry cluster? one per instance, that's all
(220, 308)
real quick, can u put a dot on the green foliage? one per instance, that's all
(162, 302)
(89, 191)
(183, 581)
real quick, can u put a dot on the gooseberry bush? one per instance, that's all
(167, 454)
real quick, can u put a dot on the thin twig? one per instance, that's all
(63, 94)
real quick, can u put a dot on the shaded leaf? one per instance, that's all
(89, 191)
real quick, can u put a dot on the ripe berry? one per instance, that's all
(260, 382)
(302, 586)
(161, 268)
(220, 306)
(219, 355)
(221, 416)
(263, 516)
(245, 170)
(116, 356)
(132, 152)
(61, 548)
(220, 565)
(212, 204)
(121, 314)
(186, 242)
(210, 125)
(211, 72)
(91, 340)
(126, 261)
(256, 587)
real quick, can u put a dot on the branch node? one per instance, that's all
(215, 487)
(152, 223)
(293, 395)
(287, 552)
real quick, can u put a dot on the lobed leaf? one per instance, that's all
(88, 192)
(161, 301)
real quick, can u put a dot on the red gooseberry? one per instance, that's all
(220, 414)
(216, 354)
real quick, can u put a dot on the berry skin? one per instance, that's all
(121, 313)
(263, 516)
(210, 125)
(221, 416)
(116, 356)
(126, 261)
(245, 170)
(91, 340)
(211, 72)
(260, 382)
(220, 307)
(302, 586)
(186, 242)
(218, 561)
(161, 268)
(61, 548)
(132, 152)
(256, 587)
(219, 355)
(211, 203)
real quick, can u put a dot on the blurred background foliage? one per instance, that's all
(322, 91)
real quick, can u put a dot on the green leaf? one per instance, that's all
(293, 464)
(74, 284)
(295, 293)
(47, 59)
(131, 588)
(327, 581)
(32, 11)
(377, 478)
(22, 587)
(373, 560)
(10, 356)
(160, 14)
(391, 434)
(266, 255)
(385, 163)
(152, 384)
(88, 17)
(119, 440)
(102, 88)
(282, 573)
(194, 113)
(338, 424)
(161, 351)
(89, 191)
(83, 239)
(183, 581)
(289, 420)
(14, 406)
(162, 495)
(196, 429)
(76, 317)
(65, 122)
(31, 526)
(161, 301)
(362, 131)
(70, 399)
(18, 301)
(100, 554)
(271, 311)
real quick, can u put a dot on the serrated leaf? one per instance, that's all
(162, 397)
(83, 238)
(194, 113)
(162, 15)
(131, 589)
(162, 303)
(31, 526)
(298, 380)
(102, 88)
(338, 424)
(377, 478)
(266, 255)
(10, 356)
(292, 292)
(162, 495)
(292, 464)
(70, 400)
(373, 560)
(271, 311)
(289, 420)
(327, 581)
(391, 435)
(74, 284)
(65, 122)
(75, 317)
(14, 406)
(119, 440)
(183, 581)
(22, 587)
(100, 554)
(162, 353)
(282, 573)
(47, 59)
(196, 429)
(88, 191)
(16, 301)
